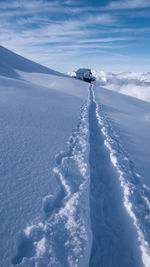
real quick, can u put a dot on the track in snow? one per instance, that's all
(114, 240)
(62, 237)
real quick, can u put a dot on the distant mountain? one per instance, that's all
(10, 62)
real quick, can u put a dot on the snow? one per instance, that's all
(40, 248)
(129, 117)
(74, 167)
(112, 229)
(39, 115)
(127, 138)
(10, 62)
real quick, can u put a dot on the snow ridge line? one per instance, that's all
(136, 194)
(63, 237)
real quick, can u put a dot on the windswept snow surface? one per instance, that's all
(114, 238)
(44, 211)
(74, 170)
(126, 128)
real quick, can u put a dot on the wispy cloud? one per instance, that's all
(48, 30)
(128, 4)
(108, 40)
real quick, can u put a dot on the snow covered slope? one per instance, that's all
(74, 171)
(10, 62)
(125, 125)
(131, 121)
(37, 120)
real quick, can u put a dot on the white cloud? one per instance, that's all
(65, 29)
(64, 33)
(129, 83)
(102, 19)
(107, 40)
(129, 4)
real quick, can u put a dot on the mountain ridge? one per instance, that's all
(10, 62)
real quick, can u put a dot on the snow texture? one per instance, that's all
(74, 169)
(127, 138)
(38, 195)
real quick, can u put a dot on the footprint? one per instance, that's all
(26, 249)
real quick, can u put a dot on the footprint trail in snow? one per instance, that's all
(63, 237)
(99, 216)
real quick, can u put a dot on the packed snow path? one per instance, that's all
(114, 239)
(135, 197)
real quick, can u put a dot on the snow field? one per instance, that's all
(113, 231)
(136, 194)
(81, 202)
(64, 235)
(36, 120)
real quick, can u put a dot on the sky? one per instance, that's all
(109, 35)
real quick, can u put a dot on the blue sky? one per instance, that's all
(65, 35)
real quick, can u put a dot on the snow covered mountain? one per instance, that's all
(11, 62)
(74, 170)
